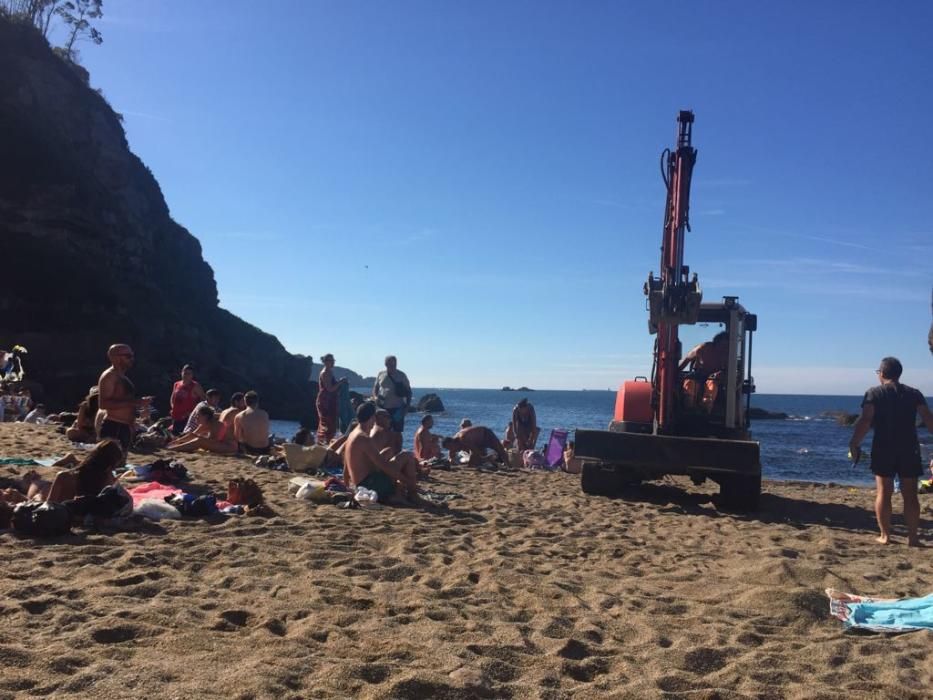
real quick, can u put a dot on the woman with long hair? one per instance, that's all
(91, 475)
(327, 400)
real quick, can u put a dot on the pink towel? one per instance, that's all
(153, 489)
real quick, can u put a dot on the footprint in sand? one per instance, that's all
(231, 620)
(703, 661)
(115, 635)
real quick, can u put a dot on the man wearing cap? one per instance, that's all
(392, 391)
(185, 396)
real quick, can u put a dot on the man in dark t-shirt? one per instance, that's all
(891, 409)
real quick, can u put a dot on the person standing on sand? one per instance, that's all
(392, 391)
(327, 403)
(525, 425)
(185, 396)
(251, 427)
(891, 409)
(117, 397)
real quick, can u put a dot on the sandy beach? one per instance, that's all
(524, 589)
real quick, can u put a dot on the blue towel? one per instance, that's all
(895, 615)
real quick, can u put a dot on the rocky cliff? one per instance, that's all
(92, 257)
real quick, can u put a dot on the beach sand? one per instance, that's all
(525, 589)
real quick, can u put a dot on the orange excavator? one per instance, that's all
(691, 417)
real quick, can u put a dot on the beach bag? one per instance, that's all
(42, 519)
(244, 492)
(515, 459)
(533, 460)
(111, 502)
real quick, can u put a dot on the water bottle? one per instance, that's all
(897, 484)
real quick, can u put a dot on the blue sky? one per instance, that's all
(474, 186)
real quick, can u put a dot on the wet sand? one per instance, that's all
(526, 588)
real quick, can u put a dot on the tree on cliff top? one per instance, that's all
(75, 15)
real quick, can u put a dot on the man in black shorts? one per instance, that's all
(117, 397)
(891, 408)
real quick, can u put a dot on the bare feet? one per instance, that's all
(882, 539)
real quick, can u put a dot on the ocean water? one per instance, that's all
(808, 446)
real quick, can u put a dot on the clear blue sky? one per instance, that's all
(474, 186)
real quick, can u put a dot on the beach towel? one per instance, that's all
(18, 461)
(152, 490)
(345, 413)
(556, 444)
(881, 614)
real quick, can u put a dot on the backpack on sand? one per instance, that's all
(42, 519)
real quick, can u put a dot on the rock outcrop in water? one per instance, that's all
(91, 255)
(430, 403)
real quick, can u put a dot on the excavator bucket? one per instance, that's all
(615, 459)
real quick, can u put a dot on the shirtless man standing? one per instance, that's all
(475, 440)
(251, 427)
(393, 479)
(117, 397)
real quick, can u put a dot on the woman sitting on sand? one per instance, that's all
(84, 428)
(91, 474)
(211, 435)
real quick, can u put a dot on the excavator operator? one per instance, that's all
(707, 363)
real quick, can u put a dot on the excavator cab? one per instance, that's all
(706, 440)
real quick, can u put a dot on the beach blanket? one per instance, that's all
(18, 461)
(554, 452)
(152, 490)
(881, 614)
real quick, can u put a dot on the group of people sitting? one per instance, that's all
(199, 423)
(196, 421)
(370, 451)
(16, 404)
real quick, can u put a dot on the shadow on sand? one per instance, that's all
(773, 508)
